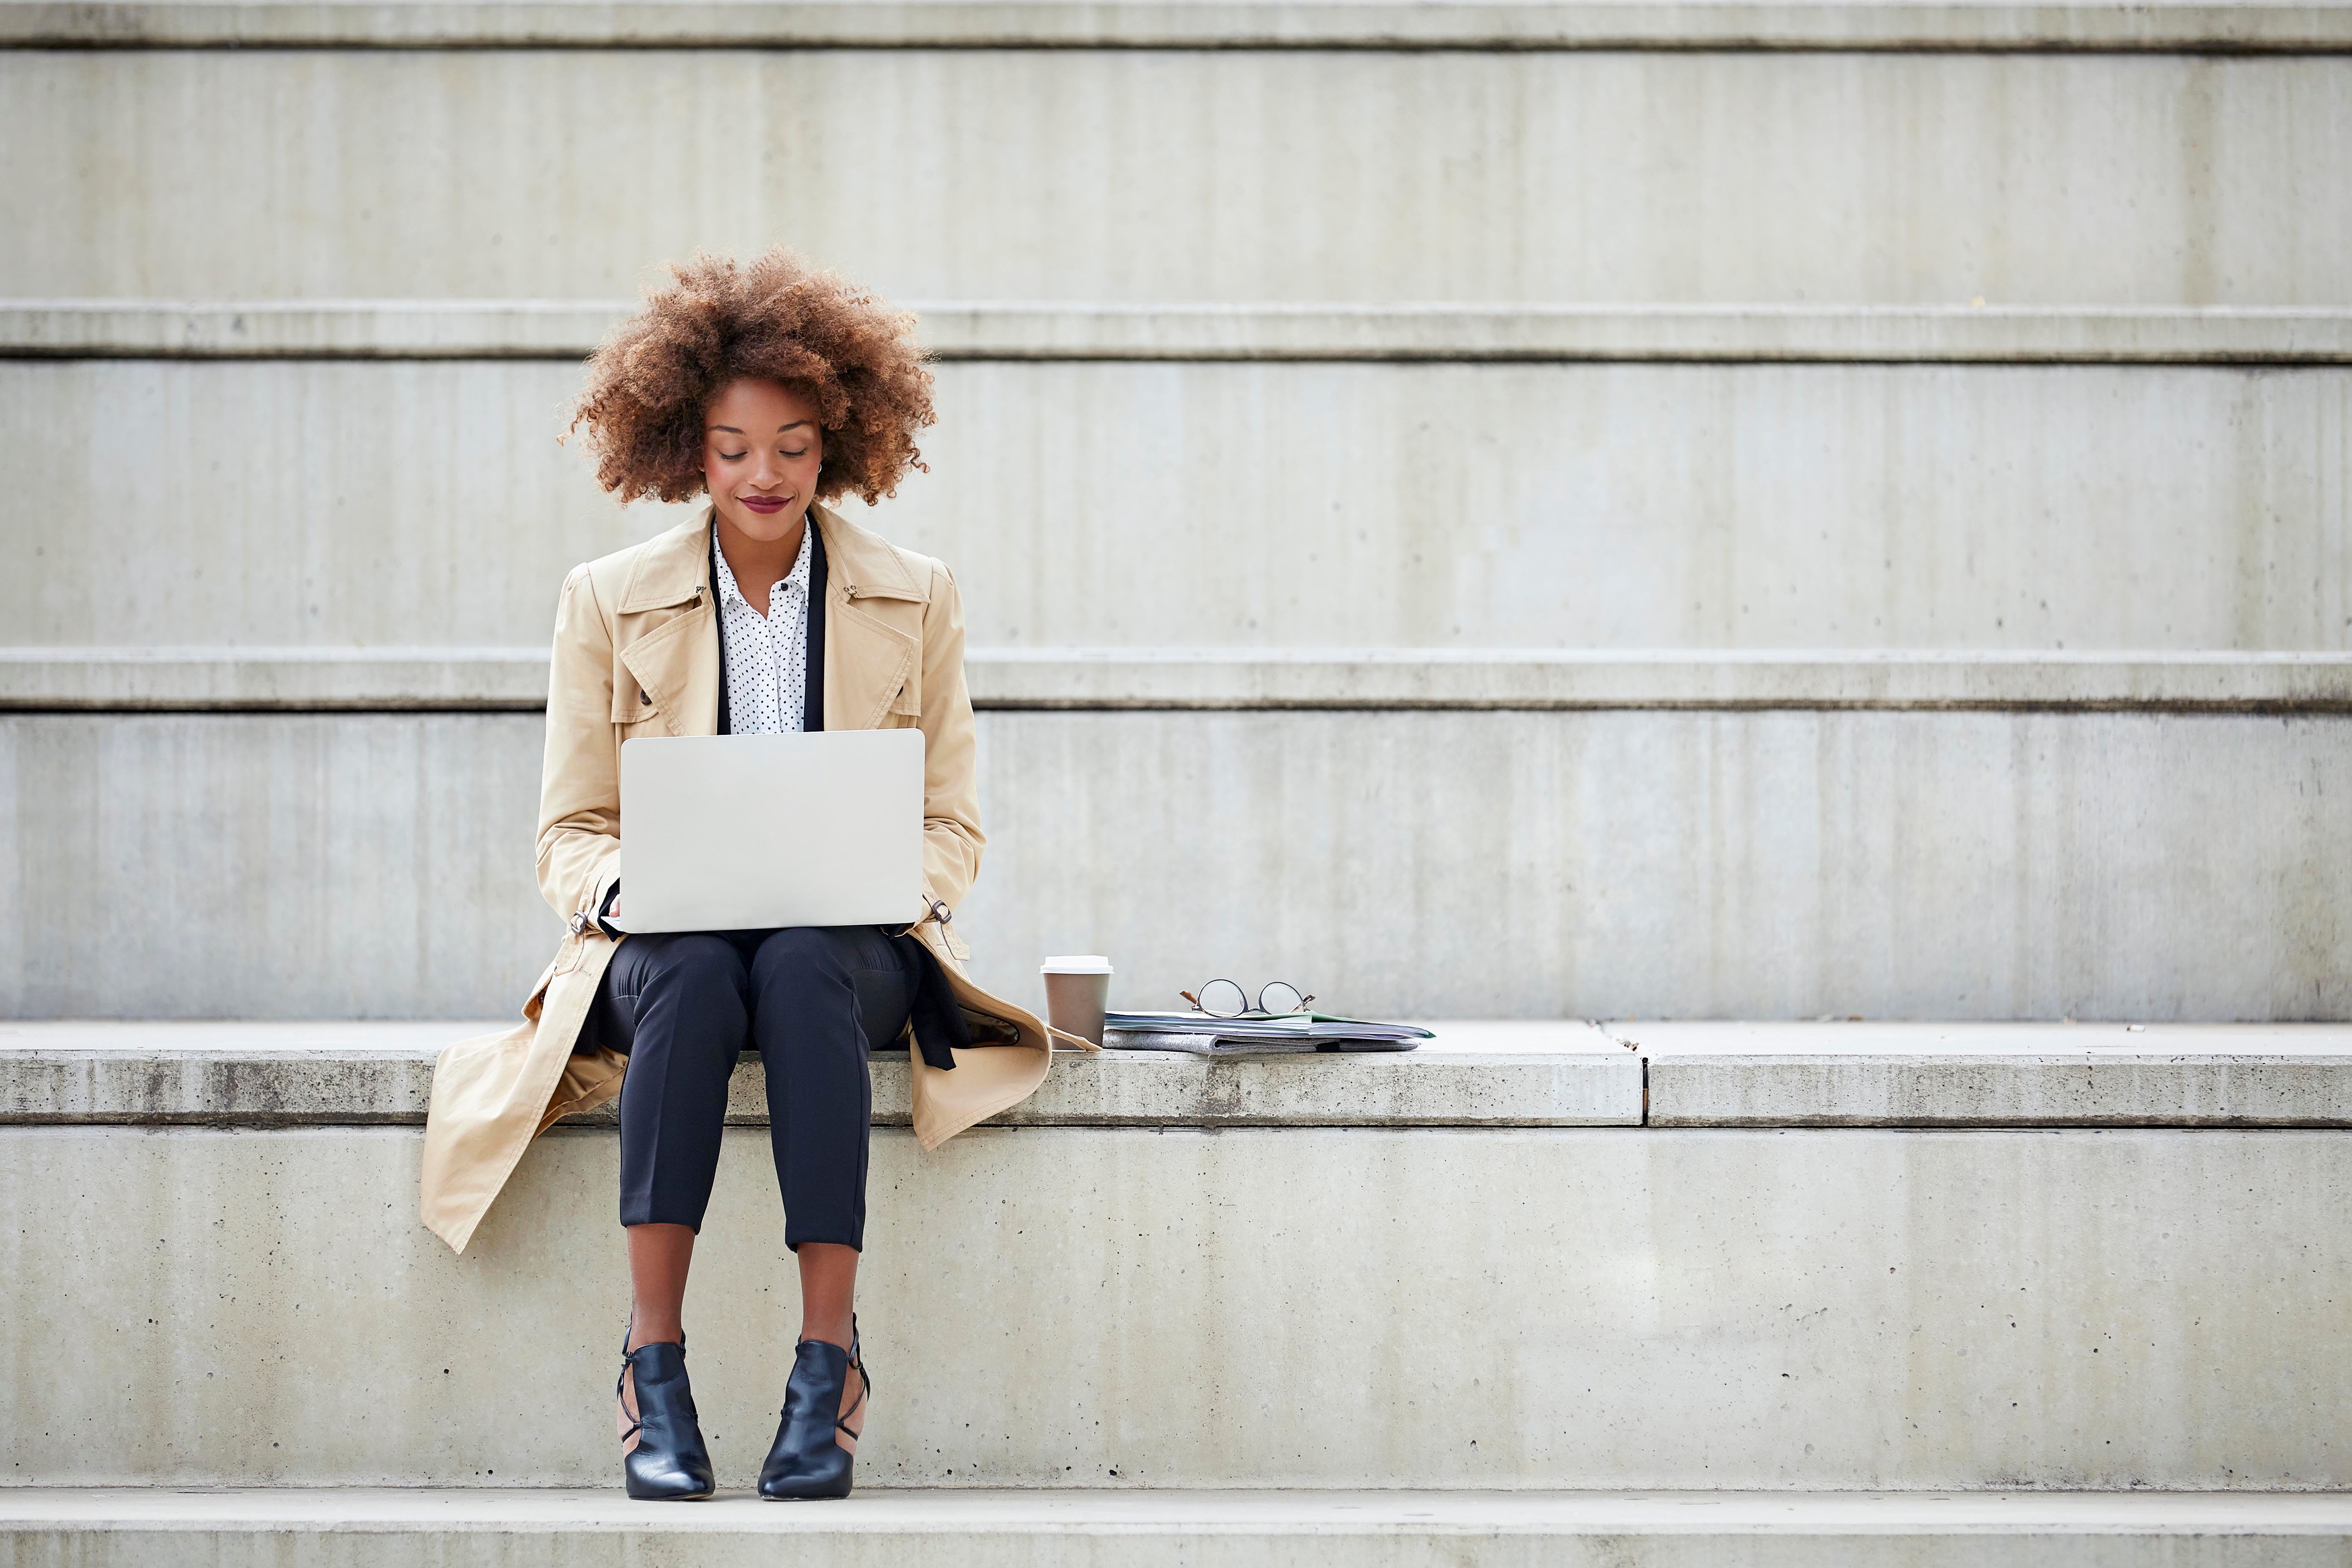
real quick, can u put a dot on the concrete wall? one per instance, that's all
(1250, 505)
(1604, 1308)
(1963, 865)
(2178, 484)
(1217, 175)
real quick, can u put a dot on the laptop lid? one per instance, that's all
(748, 832)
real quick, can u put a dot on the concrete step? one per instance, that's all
(1746, 505)
(130, 1527)
(1770, 863)
(1475, 1073)
(1488, 1073)
(2253, 25)
(1659, 172)
(1513, 334)
(319, 679)
(1382, 1281)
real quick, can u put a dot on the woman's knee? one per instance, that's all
(696, 958)
(696, 978)
(799, 954)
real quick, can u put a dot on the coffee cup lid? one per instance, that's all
(1076, 963)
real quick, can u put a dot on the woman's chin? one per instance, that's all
(767, 527)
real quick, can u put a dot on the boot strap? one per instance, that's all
(628, 1361)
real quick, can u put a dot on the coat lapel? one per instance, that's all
(669, 630)
(873, 629)
(669, 634)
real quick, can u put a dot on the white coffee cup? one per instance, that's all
(1077, 991)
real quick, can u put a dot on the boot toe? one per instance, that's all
(662, 1482)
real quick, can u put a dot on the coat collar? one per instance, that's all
(868, 660)
(674, 567)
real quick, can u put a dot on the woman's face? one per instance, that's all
(762, 447)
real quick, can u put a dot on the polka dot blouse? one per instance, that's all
(767, 656)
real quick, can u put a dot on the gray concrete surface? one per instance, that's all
(108, 1528)
(294, 680)
(1624, 507)
(425, 679)
(568, 330)
(1958, 866)
(1927, 1075)
(1553, 1308)
(514, 679)
(1476, 1074)
(1699, 176)
(1649, 865)
(1458, 679)
(2248, 24)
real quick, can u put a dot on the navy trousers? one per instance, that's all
(813, 1001)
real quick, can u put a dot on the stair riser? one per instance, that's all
(815, 1548)
(1267, 505)
(1637, 864)
(1613, 176)
(1556, 1307)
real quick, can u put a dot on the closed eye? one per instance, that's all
(733, 457)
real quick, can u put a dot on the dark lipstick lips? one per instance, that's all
(763, 503)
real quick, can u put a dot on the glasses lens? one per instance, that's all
(1280, 996)
(1223, 999)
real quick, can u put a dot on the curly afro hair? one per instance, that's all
(777, 317)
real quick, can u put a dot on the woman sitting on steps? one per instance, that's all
(773, 388)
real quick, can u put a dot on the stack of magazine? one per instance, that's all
(1260, 1034)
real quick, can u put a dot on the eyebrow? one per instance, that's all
(779, 430)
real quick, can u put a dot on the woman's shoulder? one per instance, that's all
(865, 563)
(663, 570)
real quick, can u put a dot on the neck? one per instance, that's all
(758, 563)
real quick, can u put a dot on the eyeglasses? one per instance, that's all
(1224, 999)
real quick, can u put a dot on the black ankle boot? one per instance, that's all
(805, 1461)
(669, 1463)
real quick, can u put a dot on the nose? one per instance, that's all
(770, 472)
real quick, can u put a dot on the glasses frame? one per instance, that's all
(1248, 1009)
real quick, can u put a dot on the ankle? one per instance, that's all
(656, 1331)
(836, 1333)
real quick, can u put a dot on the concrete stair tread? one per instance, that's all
(1528, 331)
(1766, 1039)
(1831, 1038)
(1144, 1510)
(1256, 24)
(430, 678)
(1507, 1073)
(1475, 1073)
(443, 1528)
(1485, 1037)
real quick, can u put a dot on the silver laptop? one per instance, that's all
(744, 832)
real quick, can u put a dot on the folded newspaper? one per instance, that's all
(1277, 1034)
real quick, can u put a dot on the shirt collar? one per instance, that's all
(798, 577)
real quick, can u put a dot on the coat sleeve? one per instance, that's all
(580, 786)
(952, 840)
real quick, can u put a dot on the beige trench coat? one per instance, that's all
(637, 653)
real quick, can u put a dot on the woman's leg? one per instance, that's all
(820, 997)
(828, 1298)
(659, 1255)
(675, 1005)
(828, 1290)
